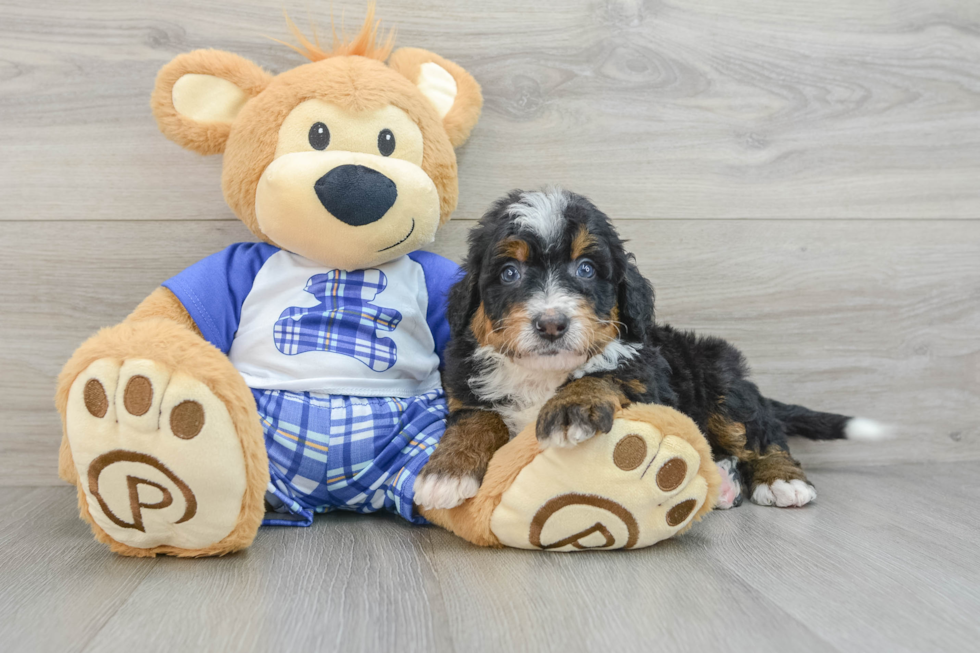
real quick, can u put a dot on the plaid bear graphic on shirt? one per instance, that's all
(344, 322)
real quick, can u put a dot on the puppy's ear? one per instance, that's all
(635, 295)
(463, 300)
(464, 296)
(198, 96)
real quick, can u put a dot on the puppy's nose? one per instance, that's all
(355, 194)
(551, 326)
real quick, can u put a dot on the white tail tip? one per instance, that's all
(863, 429)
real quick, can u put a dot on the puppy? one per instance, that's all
(554, 324)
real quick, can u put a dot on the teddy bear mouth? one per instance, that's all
(410, 232)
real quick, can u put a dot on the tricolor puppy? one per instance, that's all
(553, 323)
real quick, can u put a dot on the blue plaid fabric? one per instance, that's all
(344, 322)
(347, 453)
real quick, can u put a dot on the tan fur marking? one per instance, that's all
(774, 464)
(636, 385)
(588, 391)
(514, 248)
(602, 331)
(582, 243)
(454, 404)
(467, 445)
(729, 435)
(502, 337)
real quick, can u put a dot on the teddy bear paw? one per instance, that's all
(158, 459)
(631, 487)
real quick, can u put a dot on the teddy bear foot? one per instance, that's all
(649, 478)
(160, 467)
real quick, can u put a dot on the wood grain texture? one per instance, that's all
(911, 529)
(59, 588)
(349, 583)
(667, 109)
(884, 560)
(841, 316)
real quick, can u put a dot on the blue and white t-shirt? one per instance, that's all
(288, 323)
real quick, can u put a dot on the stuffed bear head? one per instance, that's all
(347, 160)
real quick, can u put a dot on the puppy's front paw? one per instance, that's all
(565, 423)
(442, 491)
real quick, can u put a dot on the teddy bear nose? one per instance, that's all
(356, 194)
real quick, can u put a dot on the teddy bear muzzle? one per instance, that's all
(346, 210)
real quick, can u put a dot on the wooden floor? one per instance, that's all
(887, 559)
(800, 178)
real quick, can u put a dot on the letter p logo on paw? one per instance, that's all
(157, 456)
(130, 497)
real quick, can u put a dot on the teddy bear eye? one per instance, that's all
(386, 142)
(319, 136)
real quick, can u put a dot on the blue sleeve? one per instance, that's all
(214, 289)
(440, 275)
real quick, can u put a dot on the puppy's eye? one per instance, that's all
(585, 269)
(510, 274)
(386, 142)
(319, 136)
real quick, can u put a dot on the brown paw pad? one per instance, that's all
(187, 419)
(138, 396)
(96, 401)
(680, 512)
(672, 474)
(630, 452)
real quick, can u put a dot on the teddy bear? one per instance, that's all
(300, 374)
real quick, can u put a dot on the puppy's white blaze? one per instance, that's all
(863, 429)
(608, 359)
(553, 298)
(438, 491)
(542, 212)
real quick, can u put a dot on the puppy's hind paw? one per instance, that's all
(730, 492)
(442, 491)
(784, 494)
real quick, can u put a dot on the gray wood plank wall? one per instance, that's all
(804, 181)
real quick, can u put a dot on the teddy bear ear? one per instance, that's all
(198, 95)
(451, 90)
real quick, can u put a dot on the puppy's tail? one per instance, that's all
(815, 425)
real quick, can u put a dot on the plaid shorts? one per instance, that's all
(346, 453)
